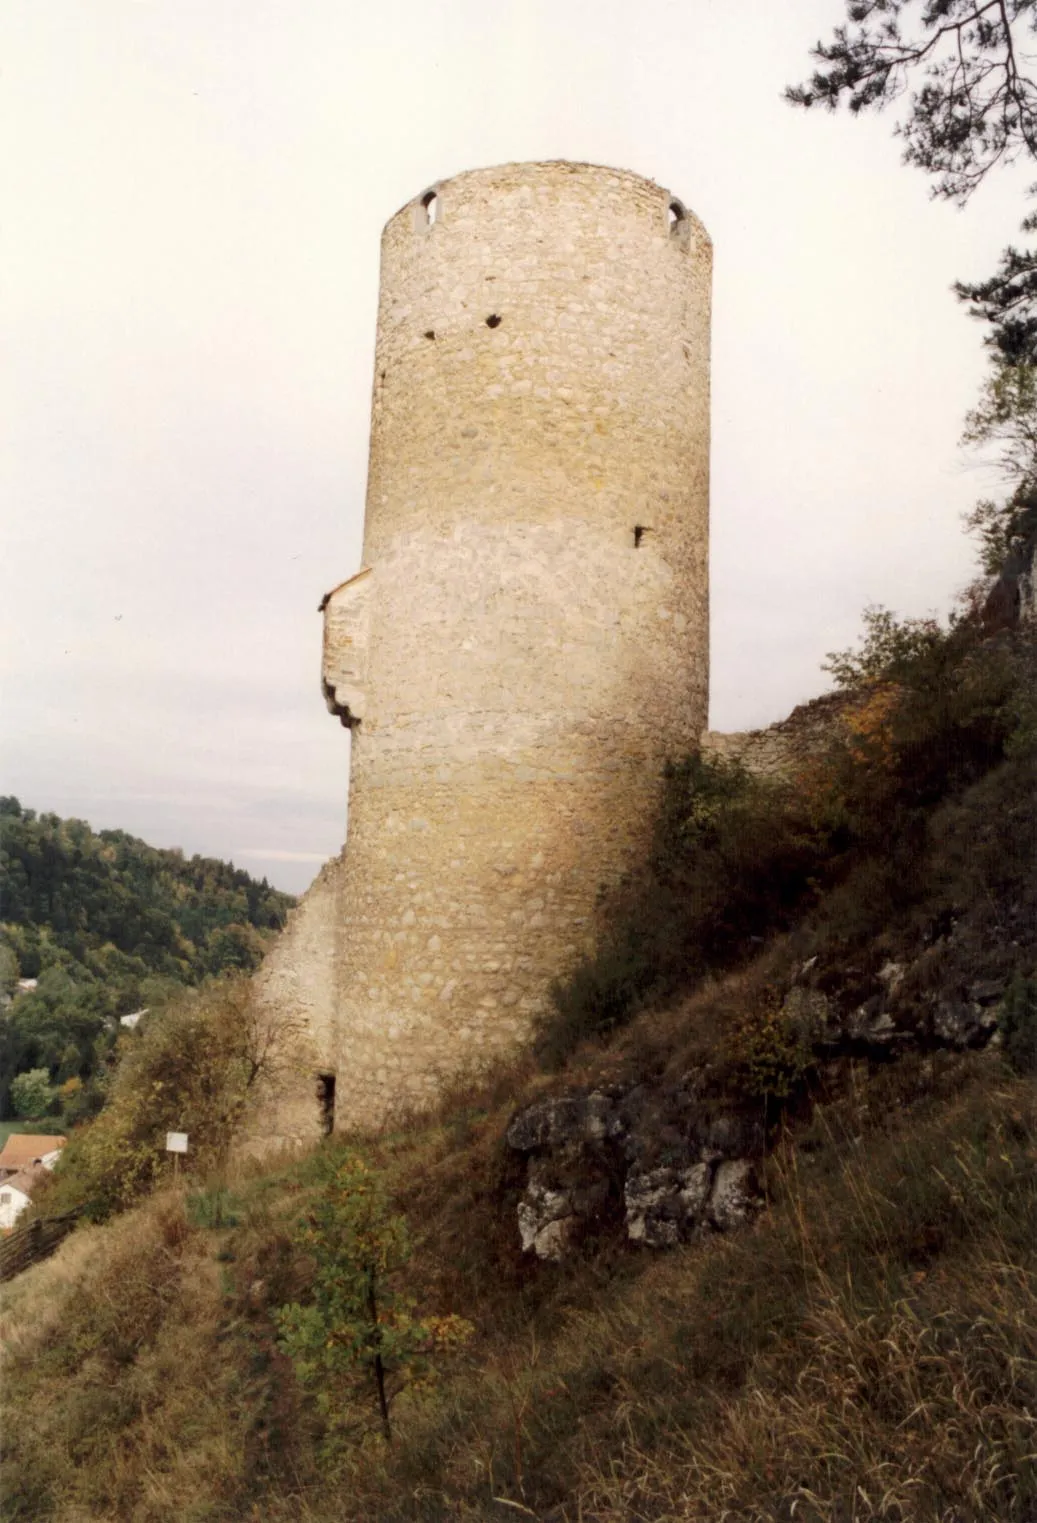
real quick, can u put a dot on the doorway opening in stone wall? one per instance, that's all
(326, 1101)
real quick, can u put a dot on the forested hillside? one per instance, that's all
(107, 925)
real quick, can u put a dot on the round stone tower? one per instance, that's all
(527, 642)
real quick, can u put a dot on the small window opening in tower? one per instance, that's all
(675, 216)
(640, 530)
(430, 201)
(430, 332)
(326, 1101)
(493, 321)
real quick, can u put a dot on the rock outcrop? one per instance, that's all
(667, 1161)
(670, 1162)
(901, 1009)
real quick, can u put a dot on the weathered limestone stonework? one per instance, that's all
(526, 642)
(295, 991)
(785, 749)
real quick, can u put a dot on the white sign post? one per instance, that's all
(176, 1143)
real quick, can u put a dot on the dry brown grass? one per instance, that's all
(32, 1304)
(868, 1351)
(116, 1397)
(913, 1404)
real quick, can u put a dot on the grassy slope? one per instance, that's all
(867, 1351)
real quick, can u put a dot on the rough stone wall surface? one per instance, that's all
(347, 625)
(536, 605)
(295, 990)
(784, 749)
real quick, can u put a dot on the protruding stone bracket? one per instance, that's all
(347, 618)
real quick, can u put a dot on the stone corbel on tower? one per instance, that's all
(347, 618)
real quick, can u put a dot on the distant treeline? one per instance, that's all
(107, 925)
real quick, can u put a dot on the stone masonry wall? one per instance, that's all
(535, 610)
(784, 749)
(295, 993)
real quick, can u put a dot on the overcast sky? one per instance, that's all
(193, 192)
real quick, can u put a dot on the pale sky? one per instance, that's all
(193, 192)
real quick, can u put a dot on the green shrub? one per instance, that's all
(1018, 1025)
(31, 1094)
(935, 709)
(736, 858)
(216, 1208)
(600, 994)
(770, 1053)
(189, 1068)
(733, 858)
(358, 1328)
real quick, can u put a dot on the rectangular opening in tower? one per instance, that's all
(326, 1101)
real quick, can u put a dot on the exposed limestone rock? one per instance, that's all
(665, 1205)
(901, 1013)
(871, 1024)
(564, 1120)
(891, 975)
(552, 1241)
(734, 1198)
(673, 1159)
(679, 1126)
(660, 1154)
(546, 1220)
(963, 1023)
(1012, 600)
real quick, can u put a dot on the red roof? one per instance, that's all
(22, 1148)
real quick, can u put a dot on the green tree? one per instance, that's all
(1018, 1024)
(1006, 419)
(359, 1327)
(109, 924)
(31, 1094)
(10, 972)
(195, 1068)
(1007, 300)
(891, 649)
(971, 105)
(962, 73)
(238, 948)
